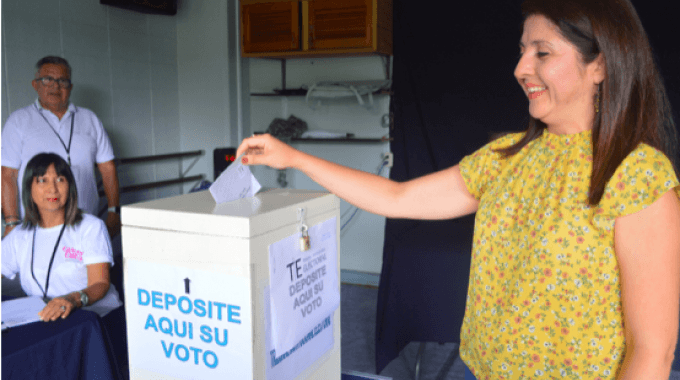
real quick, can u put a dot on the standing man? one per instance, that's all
(53, 124)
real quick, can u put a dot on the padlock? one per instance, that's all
(304, 239)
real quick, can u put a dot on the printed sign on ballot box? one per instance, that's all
(188, 323)
(289, 364)
(304, 284)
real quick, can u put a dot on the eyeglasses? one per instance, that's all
(49, 81)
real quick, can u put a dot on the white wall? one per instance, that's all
(362, 240)
(124, 69)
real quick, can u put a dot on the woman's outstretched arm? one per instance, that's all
(440, 195)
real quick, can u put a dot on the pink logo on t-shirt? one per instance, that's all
(72, 253)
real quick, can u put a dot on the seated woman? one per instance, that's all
(62, 254)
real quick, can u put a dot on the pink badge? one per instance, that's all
(72, 253)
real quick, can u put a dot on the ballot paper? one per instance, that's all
(21, 311)
(234, 183)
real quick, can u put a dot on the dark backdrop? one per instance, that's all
(453, 88)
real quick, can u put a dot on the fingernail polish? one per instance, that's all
(245, 160)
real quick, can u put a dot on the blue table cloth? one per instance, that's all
(71, 348)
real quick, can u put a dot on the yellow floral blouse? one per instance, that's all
(544, 299)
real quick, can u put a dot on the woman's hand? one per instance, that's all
(59, 307)
(267, 150)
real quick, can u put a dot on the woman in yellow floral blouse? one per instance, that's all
(575, 267)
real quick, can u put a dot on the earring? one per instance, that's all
(597, 100)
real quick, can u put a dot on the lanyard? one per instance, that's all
(66, 148)
(49, 269)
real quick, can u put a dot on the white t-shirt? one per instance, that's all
(33, 129)
(81, 245)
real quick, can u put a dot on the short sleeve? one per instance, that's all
(96, 241)
(484, 166)
(11, 143)
(642, 178)
(10, 265)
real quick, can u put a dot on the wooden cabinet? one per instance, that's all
(270, 27)
(296, 28)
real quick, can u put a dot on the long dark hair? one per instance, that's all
(37, 167)
(634, 107)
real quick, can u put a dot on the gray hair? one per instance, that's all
(50, 59)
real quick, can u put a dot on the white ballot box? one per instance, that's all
(233, 290)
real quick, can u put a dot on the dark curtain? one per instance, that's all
(454, 89)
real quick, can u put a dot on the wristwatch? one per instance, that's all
(115, 209)
(84, 299)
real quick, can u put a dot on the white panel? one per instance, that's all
(32, 33)
(31, 8)
(132, 112)
(165, 100)
(162, 26)
(163, 50)
(21, 92)
(127, 21)
(95, 98)
(268, 75)
(91, 70)
(166, 130)
(165, 110)
(127, 74)
(83, 11)
(91, 85)
(85, 40)
(129, 46)
(165, 119)
(21, 62)
(164, 77)
(5, 101)
(263, 110)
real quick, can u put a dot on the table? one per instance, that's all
(73, 348)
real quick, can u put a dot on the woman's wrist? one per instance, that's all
(298, 160)
(72, 298)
